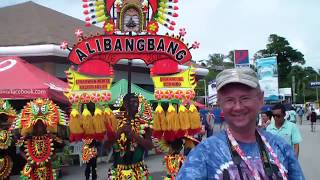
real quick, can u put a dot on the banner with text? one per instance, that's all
(241, 58)
(212, 92)
(268, 77)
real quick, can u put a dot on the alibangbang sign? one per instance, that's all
(268, 77)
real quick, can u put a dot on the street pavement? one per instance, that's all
(310, 147)
(309, 159)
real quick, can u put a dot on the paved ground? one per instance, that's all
(310, 151)
(309, 159)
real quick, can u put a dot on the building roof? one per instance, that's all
(32, 24)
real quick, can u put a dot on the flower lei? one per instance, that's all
(5, 166)
(87, 152)
(5, 139)
(39, 149)
(137, 127)
(253, 170)
(173, 163)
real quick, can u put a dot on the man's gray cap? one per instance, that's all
(243, 75)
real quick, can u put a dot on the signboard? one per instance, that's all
(81, 82)
(285, 91)
(241, 58)
(212, 92)
(314, 84)
(184, 79)
(150, 48)
(268, 77)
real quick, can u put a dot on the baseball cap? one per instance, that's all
(244, 75)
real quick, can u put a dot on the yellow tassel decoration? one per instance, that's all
(170, 117)
(110, 119)
(183, 116)
(75, 124)
(87, 122)
(194, 118)
(159, 115)
(98, 121)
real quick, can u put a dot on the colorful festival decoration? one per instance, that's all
(38, 144)
(131, 32)
(6, 138)
(176, 123)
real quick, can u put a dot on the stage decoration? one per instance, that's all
(131, 32)
(6, 138)
(38, 145)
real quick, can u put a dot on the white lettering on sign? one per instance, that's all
(7, 64)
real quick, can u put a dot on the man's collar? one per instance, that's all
(273, 123)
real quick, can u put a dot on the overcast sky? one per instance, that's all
(224, 25)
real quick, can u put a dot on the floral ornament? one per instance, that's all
(158, 94)
(178, 94)
(95, 97)
(195, 45)
(152, 27)
(169, 94)
(78, 33)
(64, 45)
(190, 94)
(85, 98)
(182, 32)
(109, 27)
(74, 98)
(106, 96)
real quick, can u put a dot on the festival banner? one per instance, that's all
(184, 79)
(241, 58)
(314, 84)
(212, 92)
(81, 82)
(268, 77)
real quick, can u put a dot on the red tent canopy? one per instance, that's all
(21, 80)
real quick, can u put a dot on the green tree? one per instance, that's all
(215, 63)
(286, 56)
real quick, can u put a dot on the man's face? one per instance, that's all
(264, 117)
(240, 105)
(132, 106)
(278, 115)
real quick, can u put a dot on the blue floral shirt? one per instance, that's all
(212, 157)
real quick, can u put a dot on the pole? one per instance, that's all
(293, 90)
(304, 93)
(317, 90)
(129, 76)
(205, 92)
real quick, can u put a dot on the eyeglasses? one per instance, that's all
(277, 115)
(245, 100)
